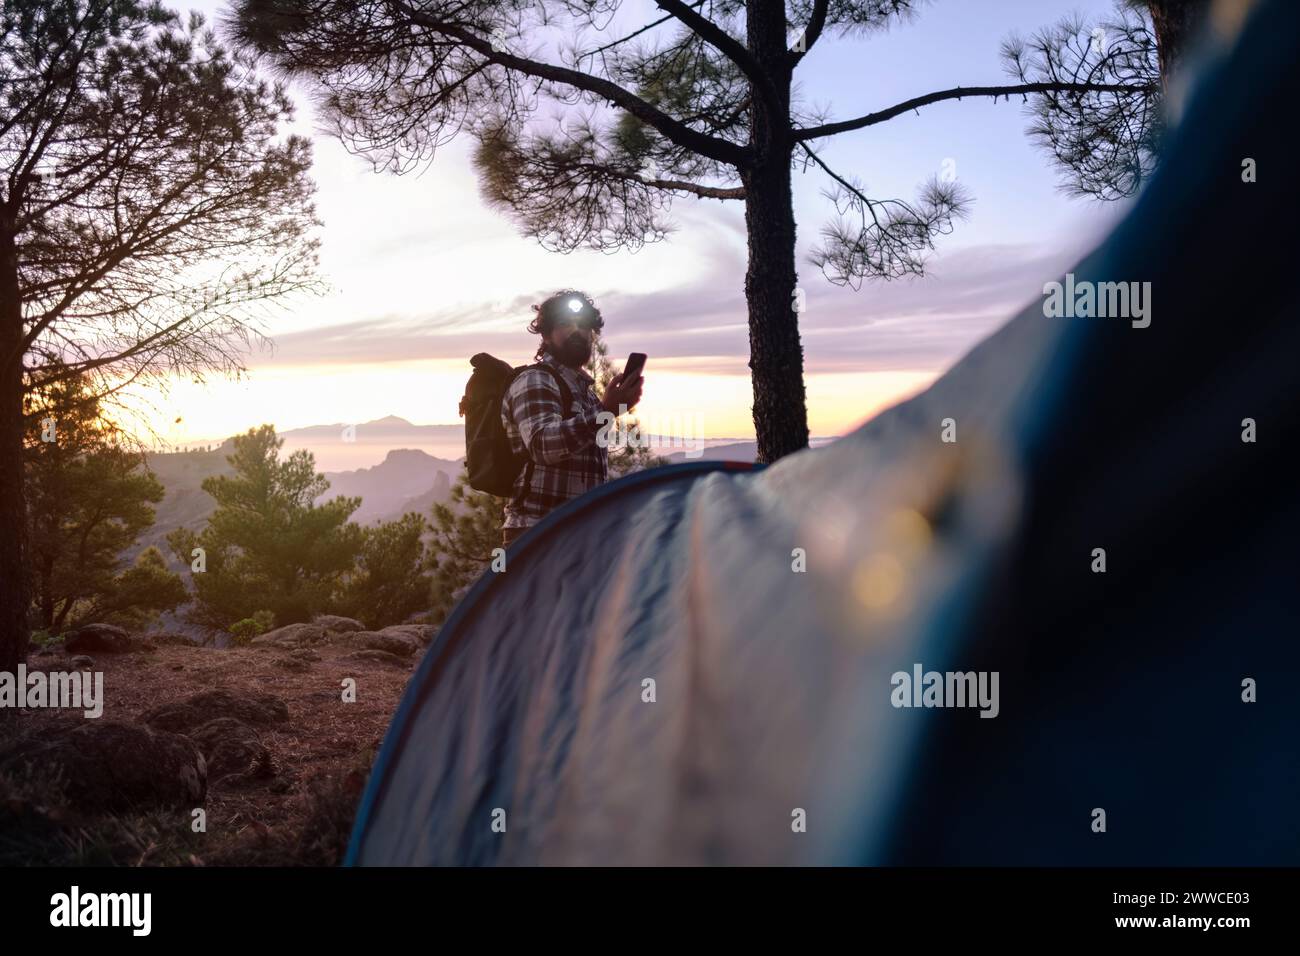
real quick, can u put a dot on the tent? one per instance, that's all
(701, 664)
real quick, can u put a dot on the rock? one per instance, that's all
(113, 766)
(333, 622)
(104, 638)
(231, 746)
(374, 657)
(49, 650)
(400, 645)
(295, 664)
(82, 662)
(184, 715)
(305, 654)
(423, 633)
(291, 636)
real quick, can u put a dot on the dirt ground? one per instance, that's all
(299, 815)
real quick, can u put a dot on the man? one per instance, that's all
(564, 458)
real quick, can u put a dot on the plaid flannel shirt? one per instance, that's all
(566, 459)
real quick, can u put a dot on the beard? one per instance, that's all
(575, 352)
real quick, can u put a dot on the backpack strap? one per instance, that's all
(566, 399)
(566, 394)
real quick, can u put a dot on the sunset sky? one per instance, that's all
(423, 274)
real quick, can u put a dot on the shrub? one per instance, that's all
(390, 581)
(244, 631)
(241, 632)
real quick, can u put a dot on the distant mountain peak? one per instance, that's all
(412, 454)
(391, 420)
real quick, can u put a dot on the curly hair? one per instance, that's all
(556, 307)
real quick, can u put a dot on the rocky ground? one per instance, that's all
(259, 738)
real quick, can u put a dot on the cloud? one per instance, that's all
(923, 323)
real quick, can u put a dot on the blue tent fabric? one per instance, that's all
(526, 736)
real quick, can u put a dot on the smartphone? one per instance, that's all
(635, 363)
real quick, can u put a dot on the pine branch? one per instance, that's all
(714, 148)
(1023, 89)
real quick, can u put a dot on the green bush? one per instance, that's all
(241, 632)
(247, 629)
(390, 581)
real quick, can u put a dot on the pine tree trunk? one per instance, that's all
(45, 593)
(1176, 24)
(775, 352)
(13, 512)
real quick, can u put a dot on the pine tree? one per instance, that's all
(267, 545)
(88, 498)
(135, 150)
(391, 580)
(466, 530)
(695, 100)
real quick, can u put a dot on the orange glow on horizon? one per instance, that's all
(427, 392)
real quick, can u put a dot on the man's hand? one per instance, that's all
(622, 396)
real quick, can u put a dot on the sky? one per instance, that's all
(422, 274)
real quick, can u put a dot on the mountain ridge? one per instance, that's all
(406, 479)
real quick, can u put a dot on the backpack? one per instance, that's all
(491, 464)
